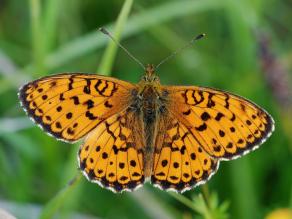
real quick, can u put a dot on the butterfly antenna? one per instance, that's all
(104, 31)
(200, 36)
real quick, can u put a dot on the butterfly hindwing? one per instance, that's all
(68, 106)
(111, 154)
(180, 163)
(225, 125)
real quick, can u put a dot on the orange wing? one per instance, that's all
(112, 153)
(200, 127)
(68, 106)
(225, 125)
(180, 162)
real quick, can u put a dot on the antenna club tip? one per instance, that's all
(103, 30)
(200, 36)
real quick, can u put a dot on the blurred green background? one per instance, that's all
(248, 51)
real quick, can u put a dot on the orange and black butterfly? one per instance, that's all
(172, 136)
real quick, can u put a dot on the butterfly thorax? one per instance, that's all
(151, 101)
(149, 94)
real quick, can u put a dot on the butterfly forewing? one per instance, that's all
(68, 106)
(224, 124)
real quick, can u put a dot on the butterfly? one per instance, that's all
(172, 136)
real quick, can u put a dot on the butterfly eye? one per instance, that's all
(165, 93)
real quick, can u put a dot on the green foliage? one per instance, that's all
(212, 210)
(38, 38)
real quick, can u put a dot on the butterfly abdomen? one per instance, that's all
(149, 115)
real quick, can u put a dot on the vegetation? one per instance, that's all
(247, 51)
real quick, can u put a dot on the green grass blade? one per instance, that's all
(243, 189)
(110, 53)
(54, 204)
(37, 40)
(51, 15)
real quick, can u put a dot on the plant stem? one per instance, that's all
(111, 51)
(202, 208)
(37, 40)
(51, 16)
(184, 201)
(54, 204)
(206, 194)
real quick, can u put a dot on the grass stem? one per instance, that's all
(111, 51)
(37, 35)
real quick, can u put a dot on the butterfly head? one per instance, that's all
(150, 76)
